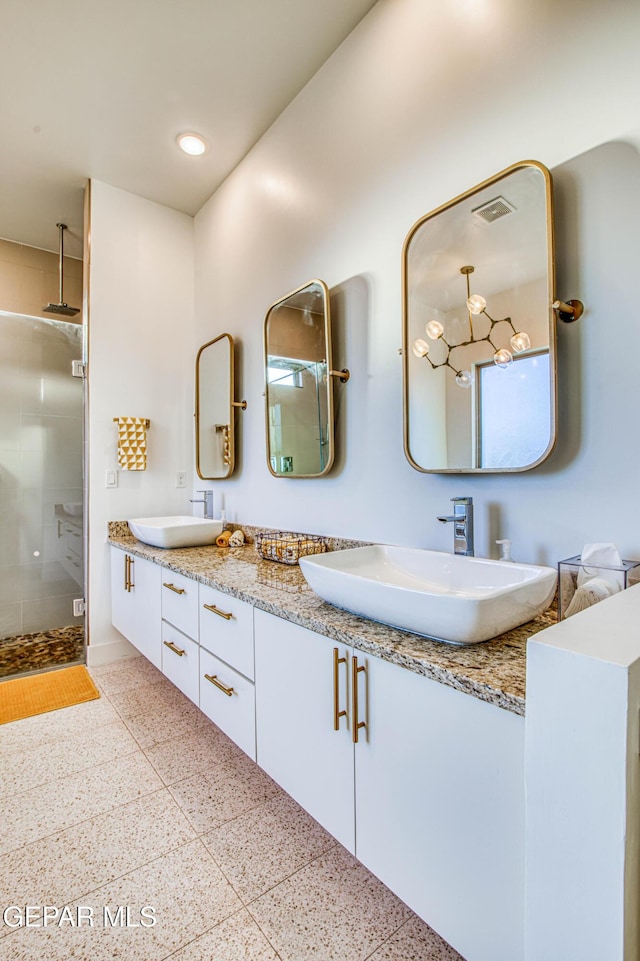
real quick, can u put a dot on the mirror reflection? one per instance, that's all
(215, 435)
(299, 408)
(479, 330)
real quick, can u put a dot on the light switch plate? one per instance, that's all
(111, 478)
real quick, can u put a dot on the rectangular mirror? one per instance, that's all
(215, 434)
(299, 400)
(479, 360)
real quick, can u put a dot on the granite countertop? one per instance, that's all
(493, 671)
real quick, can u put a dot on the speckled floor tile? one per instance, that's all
(52, 807)
(237, 939)
(167, 723)
(22, 770)
(65, 866)
(186, 889)
(137, 670)
(416, 941)
(148, 696)
(34, 733)
(332, 908)
(263, 847)
(198, 753)
(212, 799)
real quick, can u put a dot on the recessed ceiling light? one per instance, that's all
(191, 143)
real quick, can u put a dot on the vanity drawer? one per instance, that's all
(226, 629)
(180, 661)
(180, 602)
(231, 705)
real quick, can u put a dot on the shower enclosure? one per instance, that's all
(41, 495)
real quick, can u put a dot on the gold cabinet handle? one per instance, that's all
(176, 650)
(176, 590)
(213, 678)
(337, 713)
(355, 670)
(128, 583)
(216, 610)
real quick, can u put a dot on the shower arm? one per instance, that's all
(61, 228)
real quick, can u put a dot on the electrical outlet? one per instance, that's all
(111, 478)
(181, 478)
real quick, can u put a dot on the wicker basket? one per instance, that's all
(287, 548)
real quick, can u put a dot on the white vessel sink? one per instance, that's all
(178, 531)
(462, 600)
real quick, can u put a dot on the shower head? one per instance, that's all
(61, 307)
(64, 309)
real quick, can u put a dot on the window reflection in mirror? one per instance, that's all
(215, 434)
(513, 411)
(478, 289)
(299, 407)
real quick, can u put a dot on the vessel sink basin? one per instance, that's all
(446, 597)
(178, 531)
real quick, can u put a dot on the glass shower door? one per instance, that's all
(41, 494)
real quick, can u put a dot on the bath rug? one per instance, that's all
(39, 693)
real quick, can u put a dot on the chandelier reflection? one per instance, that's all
(476, 305)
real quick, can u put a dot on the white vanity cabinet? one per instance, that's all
(135, 602)
(439, 789)
(297, 697)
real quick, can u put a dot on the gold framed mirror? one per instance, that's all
(215, 409)
(298, 391)
(479, 351)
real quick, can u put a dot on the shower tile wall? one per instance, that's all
(40, 474)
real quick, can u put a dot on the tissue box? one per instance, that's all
(626, 573)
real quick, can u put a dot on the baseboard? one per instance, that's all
(98, 654)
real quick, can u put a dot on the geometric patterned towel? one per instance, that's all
(132, 442)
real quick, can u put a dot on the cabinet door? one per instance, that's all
(122, 599)
(296, 741)
(135, 610)
(440, 808)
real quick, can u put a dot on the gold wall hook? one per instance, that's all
(239, 403)
(342, 375)
(569, 310)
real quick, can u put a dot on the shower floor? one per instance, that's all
(35, 652)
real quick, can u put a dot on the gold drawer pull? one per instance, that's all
(337, 713)
(355, 670)
(216, 683)
(176, 590)
(216, 610)
(176, 650)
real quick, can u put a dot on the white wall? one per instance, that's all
(421, 102)
(141, 364)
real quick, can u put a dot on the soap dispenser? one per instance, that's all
(505, 546)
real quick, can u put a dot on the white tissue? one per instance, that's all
(593, 555)
(595, 583)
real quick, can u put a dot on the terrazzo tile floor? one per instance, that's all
(138, 800)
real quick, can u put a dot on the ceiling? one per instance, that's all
(101, 88)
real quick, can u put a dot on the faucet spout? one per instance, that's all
(207, 500)
(462, 520)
